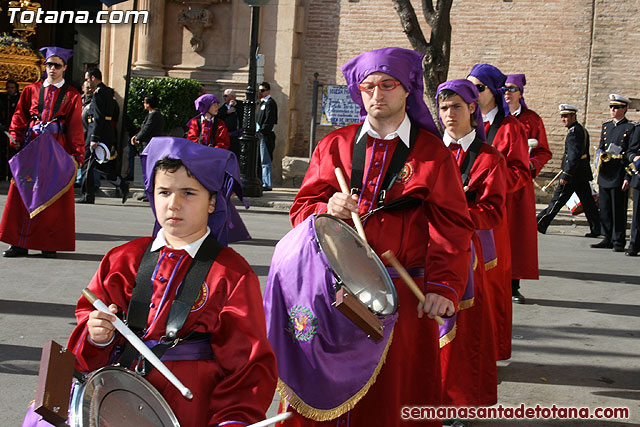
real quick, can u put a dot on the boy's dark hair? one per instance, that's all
(448, 93)
(152, 100)
(170, 165)
(266, 85)
(94, 72)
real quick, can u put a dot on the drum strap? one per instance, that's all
(138, 311)
(395, 166)
(493, 129)
(469, 160)
(56, 106)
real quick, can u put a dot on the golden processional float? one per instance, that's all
(18, 60)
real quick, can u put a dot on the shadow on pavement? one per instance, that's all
(592, 277)
(258, 242)
(39, 309)
(75, 256)
(261, 270)
(19, 360)
(597, 307)
(620, 394)
(95, 237)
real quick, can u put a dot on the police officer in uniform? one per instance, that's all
(633, 156)
(576, 174)
(613, 196)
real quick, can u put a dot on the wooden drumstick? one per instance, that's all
(138, 344)
(354, 216)
(391, 259)
(544, 188)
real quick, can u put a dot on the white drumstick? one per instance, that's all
(272, 420)
(138, 344)
(354, 216)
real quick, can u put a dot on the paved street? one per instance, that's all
(576, 341)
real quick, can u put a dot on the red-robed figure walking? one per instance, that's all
(52, 106)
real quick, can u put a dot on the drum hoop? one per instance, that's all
(79, 416)
(375, 258)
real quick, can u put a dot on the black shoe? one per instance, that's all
(85, 201)
(541, 229)
(605, 244)
(124, 189)
(631, 252)
(517, 297)
(49, 254)
(618, 249)
(143, 198)
(592, 234)
(14, 252)
(267, 188)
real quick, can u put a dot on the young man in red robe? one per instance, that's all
(507, 135)
(206, 128)
(41, 109)
(233, 377)
(431, 238)
(468, 363)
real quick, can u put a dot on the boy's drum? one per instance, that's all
(115, 396)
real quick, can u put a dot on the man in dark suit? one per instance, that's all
(153, 125)
(267, 117)
(231, 113)
(8, 103)
(103, 110)
(633, 156)
(613, 195)
(576, 174)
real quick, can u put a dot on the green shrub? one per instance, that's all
(176, 98)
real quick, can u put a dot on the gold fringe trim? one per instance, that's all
(449, 337)
(463, 305)
(475, 262)
(489, 265)
(308, 411)
(57, 196)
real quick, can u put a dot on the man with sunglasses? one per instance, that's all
(267, 118)
(407, 183)
(613, 181)
(516, 238)
(53, 106)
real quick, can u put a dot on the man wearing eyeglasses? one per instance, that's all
(407, 184)
(53, 106)
(231, 113)
(267, 118)
(612, 185)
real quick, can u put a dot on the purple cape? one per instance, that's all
(215, 168)
(494, 80)
(42, 172)
(519, 80)
(469, 93)
(402, 64)
(326, 364)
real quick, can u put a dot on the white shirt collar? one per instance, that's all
(518, 111)
(58, 85)
(265, 98)
(490, 115)
(191, 248)
(403, 131)
(465, 141)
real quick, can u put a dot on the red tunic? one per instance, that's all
(468, 363)
(218, 138)
(435, 235)
(239, 384)
(540, 155)
(511, 142)
(54, 228)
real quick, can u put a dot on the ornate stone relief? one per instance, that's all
(197, 19)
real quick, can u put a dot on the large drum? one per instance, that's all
(118, 397)
(326, 363)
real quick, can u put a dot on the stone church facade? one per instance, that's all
(571, 52)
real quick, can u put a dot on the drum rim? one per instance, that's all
(77, 406)
(391, 286)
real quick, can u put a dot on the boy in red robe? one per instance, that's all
(431, 237)
(233, 378)
(206, 128)
(468, 364)
(41, 109)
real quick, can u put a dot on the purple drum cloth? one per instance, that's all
(450, 322)
(322, 356)
(488, 245)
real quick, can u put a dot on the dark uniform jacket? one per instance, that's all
(153, 125)
(267, 117)
(576, 166)
(233, 120)
(102, 111)
(634, 150)
(612, 173)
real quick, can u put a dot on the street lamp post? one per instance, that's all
(251, 185)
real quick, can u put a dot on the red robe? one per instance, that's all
(220, 134)
(435, 235)
(511, 142)
(468, 363)
(239, 384)
(54, 228)
(540, 155)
